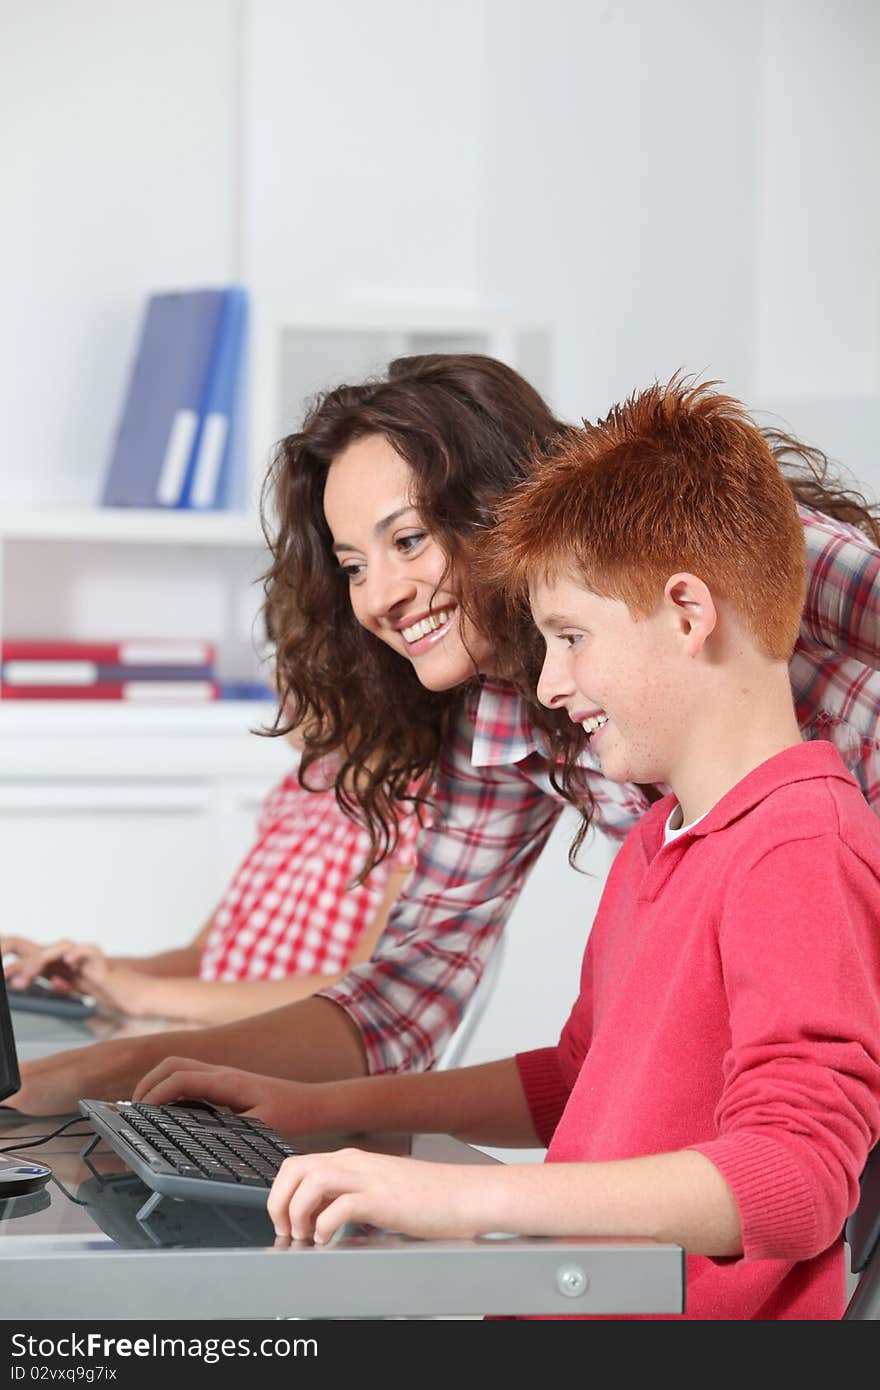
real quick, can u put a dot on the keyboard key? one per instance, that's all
(193, 1140)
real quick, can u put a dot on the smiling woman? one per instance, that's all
(402, 585)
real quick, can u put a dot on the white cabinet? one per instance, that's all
(125, 830)
(122, 823)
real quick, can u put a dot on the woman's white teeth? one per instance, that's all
(594, 722)
(425, 625)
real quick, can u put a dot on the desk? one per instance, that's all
(77, 1250)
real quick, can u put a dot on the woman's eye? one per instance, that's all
(407, 543)
(352, 571)
(571, 639)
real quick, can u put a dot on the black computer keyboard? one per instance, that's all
(41, 998)
(192, 1150)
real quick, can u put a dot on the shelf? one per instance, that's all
(50, 744)
(133, 525)
(298, 350)
(131, 718)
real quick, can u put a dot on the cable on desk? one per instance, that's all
(34, 1141)
(68, 1194)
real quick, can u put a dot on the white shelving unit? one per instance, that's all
(102, 574)
(298, 351)
(132, 525)
(121, 822)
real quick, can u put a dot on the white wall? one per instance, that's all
(817, 302)
(364, 141)
(695, 185)
(625, 185)
(118, 139)
(689, 184)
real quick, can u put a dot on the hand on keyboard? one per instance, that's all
(192, 1150)
(291, 1107)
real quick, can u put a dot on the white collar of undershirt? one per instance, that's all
(673, 827)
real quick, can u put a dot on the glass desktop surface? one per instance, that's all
(97, 1202)
(97, 1199)
(80, 1249)
(40, 1034)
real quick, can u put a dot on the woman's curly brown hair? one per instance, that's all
(467, 425)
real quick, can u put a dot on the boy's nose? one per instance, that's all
(554, 685)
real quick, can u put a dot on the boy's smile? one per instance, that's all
(654, 694)
(612, 674)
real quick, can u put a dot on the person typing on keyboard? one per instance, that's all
(294, 919)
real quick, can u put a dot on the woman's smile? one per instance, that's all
(400, 578)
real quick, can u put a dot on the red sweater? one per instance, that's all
(730, 1003)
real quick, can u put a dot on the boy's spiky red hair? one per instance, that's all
(678, 477)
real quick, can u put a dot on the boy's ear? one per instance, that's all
(692, 609)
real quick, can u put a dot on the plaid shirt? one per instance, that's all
(290, 909)
(494, 809)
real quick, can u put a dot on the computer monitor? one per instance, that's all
(19, 1175)
(10, 1080)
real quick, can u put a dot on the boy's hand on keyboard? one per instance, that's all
(291, 1107)
(316, 1194)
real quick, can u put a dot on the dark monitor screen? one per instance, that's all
(10, 1080)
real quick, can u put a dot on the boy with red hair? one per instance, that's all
(717, 1084)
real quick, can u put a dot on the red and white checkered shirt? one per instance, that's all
(289, 909)
(494, 809)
